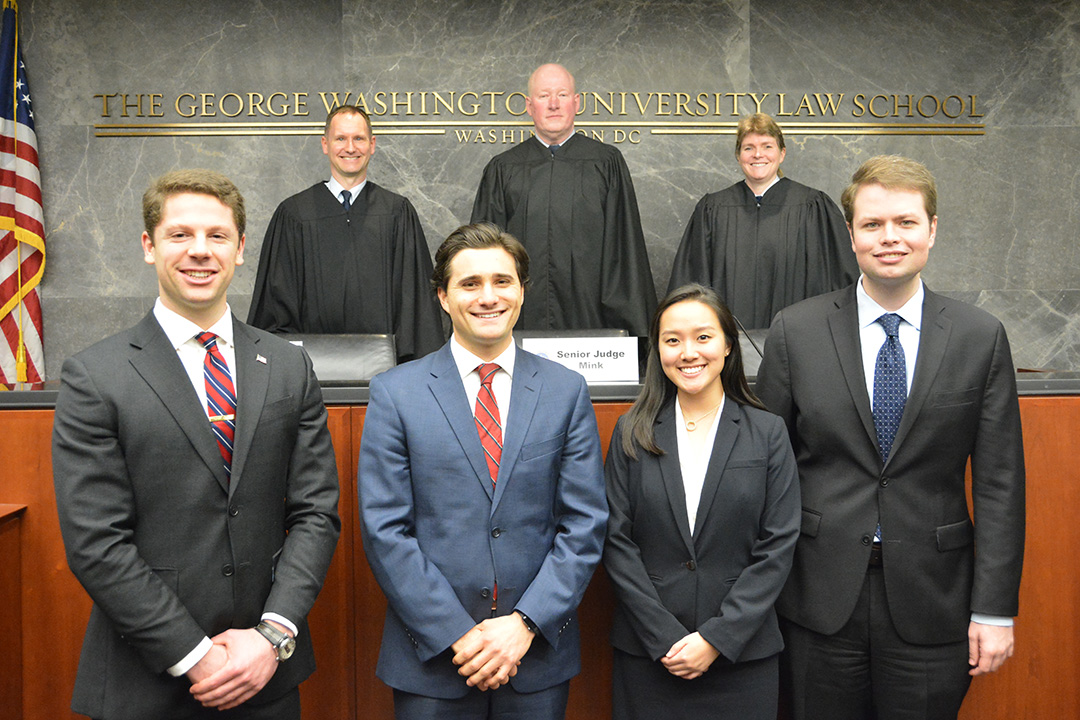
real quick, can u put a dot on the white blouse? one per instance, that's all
(693, 465)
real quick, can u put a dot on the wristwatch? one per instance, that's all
(529, 624)
(284, 646)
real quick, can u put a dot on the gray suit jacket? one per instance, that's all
(939, 565)
(722, 579)
(166, 547)
(437, 536)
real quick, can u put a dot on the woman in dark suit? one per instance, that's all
(704, 500)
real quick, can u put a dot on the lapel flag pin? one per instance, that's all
(260, 358)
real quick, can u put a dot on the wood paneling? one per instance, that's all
(11, 669)
(1040, 681)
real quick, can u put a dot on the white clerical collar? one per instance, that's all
(336, 189)
(179, 329)
(870, 310)
(466, 361)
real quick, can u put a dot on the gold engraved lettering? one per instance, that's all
(637, 99)
(700, 101)
(206, 107)
(734, 101)
(512, 111)
(493, 96)
(681, 101)
(395, 103)
(635, 137)
(781, 112)
(300, 104)
(758, 100)
(462, 136)
(255, 101)
(973, 113)
(919, 106)
(663, 99)
(380, 103)
(945, 106)
(475, 105)
(284, 107)
(155, 105)
(805, 105)
(906, 105)
(105, 102)
(508, 135)
(191, 107)
(871, 106)
(440, 100)
(335, 102)
(239, 104)
(598, 135)
(126, 105)
(598, 103)
(860, 109)
(829, 106)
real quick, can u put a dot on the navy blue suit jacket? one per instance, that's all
(437, 536)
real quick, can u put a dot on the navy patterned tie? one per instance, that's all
(346, 200)
(220, 398)
(890, 385)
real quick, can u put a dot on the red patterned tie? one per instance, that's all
(488, 423)
(220, 398)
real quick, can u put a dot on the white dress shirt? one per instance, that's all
(692, 465)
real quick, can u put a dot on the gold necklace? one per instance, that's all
(691, 425)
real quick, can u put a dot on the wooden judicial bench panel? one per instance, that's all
(1040, 681)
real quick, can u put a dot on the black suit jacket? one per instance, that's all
(939, 566)
(723, 579)
(167, 548)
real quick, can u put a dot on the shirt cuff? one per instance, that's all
(192, 658)
(999, 620)
(281, 621)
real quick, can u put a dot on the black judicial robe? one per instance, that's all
(762, 259)
(368, 270)
(577, 215)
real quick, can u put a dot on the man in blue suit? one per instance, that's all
(482, 498)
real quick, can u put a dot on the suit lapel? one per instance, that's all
(933, 341)
(726, 433)
(671, 471)
(525, 390)
(844, 326)
(251, 378)
(450, 394)
(155, 360)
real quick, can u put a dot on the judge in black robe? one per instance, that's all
(766, 242)
(324, 269)
(576, 213)
(762, 258)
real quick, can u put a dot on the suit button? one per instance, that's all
(496, 532)
(690, 565)
(865, 539)
(485, 593)
(233, 511)
(227, 571)
(884, 482)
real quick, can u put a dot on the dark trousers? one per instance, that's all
(867, 672)
(505, 703)
(286, 707)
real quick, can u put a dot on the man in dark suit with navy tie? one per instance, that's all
(482, 498)
(897, 596)
(196, 485)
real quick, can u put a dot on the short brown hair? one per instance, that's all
(478, 236)
(195, 180)
(761, 124)
(892, 172)
(348, 110)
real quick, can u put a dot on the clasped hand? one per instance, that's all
(489, 654)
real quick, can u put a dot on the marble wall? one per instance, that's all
(1007, 237)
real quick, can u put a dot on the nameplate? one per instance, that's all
(602, 360)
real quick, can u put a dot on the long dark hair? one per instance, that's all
(657, 390)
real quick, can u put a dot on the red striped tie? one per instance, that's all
(220, 398)
(488, 423)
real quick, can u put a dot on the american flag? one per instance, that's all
(22, 230)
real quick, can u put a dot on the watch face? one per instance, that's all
(286, 649)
